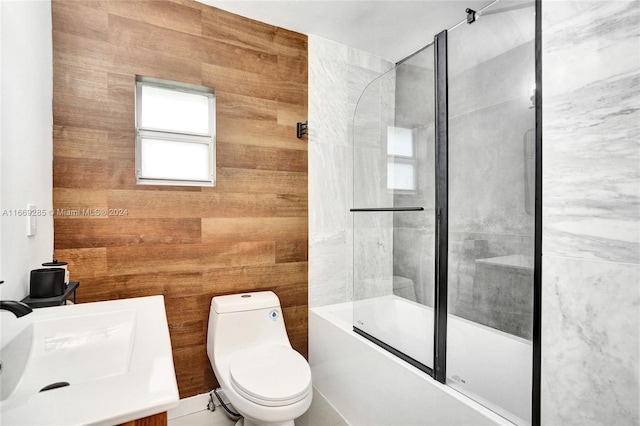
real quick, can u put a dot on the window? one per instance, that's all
(175, 133)
(401, 159)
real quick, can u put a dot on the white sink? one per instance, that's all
(109, 363)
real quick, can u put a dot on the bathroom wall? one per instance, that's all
(26, 148)
(186, 243)
(591, 212)
(337, 76)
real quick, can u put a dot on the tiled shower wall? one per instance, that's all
(591, 212)
(337, 76)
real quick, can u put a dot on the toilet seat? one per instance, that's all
(273, 376)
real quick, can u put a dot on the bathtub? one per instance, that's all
(369, 386)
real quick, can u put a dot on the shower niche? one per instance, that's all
(443, 213)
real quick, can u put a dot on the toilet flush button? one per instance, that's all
(273, 314)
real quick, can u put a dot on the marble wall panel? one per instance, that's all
(587, 41)
(328, 92)
(330, 174)
(337, 76)
(591, 212)
(592, 130)
(590, 342)
(330, 266)
(592, 196)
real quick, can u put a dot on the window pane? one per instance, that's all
(174, 110)
(166, 159)
(399, 141)
(400, 176)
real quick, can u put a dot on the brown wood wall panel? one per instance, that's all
(69, 201)
(288, 251)
(123, 231)
(253, 132)
(256, 84)
(74, 142)
(257, 157)
(177, 17)
(207, 204)
(92, 26)
(253, 229)
(189, 244)
(261, 181)
(238, 106)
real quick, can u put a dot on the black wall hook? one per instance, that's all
(302, 129)
(471, 16)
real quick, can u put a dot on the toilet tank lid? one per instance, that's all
(245, 302)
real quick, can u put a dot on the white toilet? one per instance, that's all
(265, 380)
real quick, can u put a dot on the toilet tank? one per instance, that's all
(238, 321)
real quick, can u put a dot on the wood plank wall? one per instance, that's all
(186, 243)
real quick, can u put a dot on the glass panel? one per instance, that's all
(491, 230)
(172, 110)
(179, 160)
(394, 251)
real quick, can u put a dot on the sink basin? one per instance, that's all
(104, 363)
(73, 349)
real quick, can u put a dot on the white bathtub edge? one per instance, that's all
(320, 357)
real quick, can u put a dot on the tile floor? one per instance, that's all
(321, 413)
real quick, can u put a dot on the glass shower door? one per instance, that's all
(393, 227)
(491, 224)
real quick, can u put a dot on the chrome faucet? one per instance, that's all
(19, 309)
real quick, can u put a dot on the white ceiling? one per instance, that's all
(390, 29)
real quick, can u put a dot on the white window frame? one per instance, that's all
(402, 159)
(175, 136)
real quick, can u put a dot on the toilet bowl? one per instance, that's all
(263, 377)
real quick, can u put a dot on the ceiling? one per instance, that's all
(390, 29)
